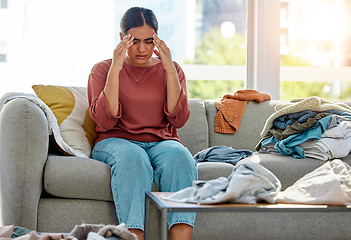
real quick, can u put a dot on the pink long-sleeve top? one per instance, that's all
(142, 112)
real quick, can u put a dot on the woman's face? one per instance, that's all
(143, 47)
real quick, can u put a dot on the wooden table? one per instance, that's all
(165, 206)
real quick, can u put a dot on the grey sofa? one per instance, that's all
(44, 191)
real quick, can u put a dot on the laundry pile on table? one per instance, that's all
(311, 127)
(251, 183)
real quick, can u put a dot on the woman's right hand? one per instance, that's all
(120, 51)
(112, 83)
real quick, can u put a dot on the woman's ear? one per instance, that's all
(120, 35)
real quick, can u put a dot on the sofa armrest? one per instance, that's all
(24, 142)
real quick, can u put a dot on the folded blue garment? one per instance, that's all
(290, 145)
(221, 154)
(288, 119)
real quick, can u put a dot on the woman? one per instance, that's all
(138, 102)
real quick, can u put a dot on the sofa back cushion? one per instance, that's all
(251, 125)
(71, 110)
(194, 134)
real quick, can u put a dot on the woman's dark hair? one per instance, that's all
(137, 17)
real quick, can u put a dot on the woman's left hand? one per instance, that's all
(163, 52)
(173, 85)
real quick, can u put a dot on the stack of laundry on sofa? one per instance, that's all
(311, 127)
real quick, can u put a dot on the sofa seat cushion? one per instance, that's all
(286, 168)
(86, 178)
(212, 170)
(77, 177)
(194, 134)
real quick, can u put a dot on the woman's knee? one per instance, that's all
(122, 154)
(175, 156)
(178, 154)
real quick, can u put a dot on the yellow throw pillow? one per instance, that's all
(71, 109)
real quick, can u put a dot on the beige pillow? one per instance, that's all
(71, 109)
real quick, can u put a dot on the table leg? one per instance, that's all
(164, 217)
(147, 218)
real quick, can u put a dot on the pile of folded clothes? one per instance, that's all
(311, 127)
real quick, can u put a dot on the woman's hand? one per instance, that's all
(164, 53)
(173, 85)
(112, 82)
(120, 51)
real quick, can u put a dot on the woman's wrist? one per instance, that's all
(116, 66)
(170, 69)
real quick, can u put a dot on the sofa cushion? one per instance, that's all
(86, 178)
(248, 133)
(286, 168)
(71, 109)
(194, 134)
(212, 170)
(77, 177)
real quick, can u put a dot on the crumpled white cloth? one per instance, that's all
(329, 184)
(52, 121)
(248, 183)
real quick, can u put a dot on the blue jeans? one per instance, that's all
(134, 167)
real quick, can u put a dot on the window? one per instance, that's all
(3, 50)
(283, 47)
(207, 37)
(218, 65)
(2, 57)
(3, 3)
(315, 49)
